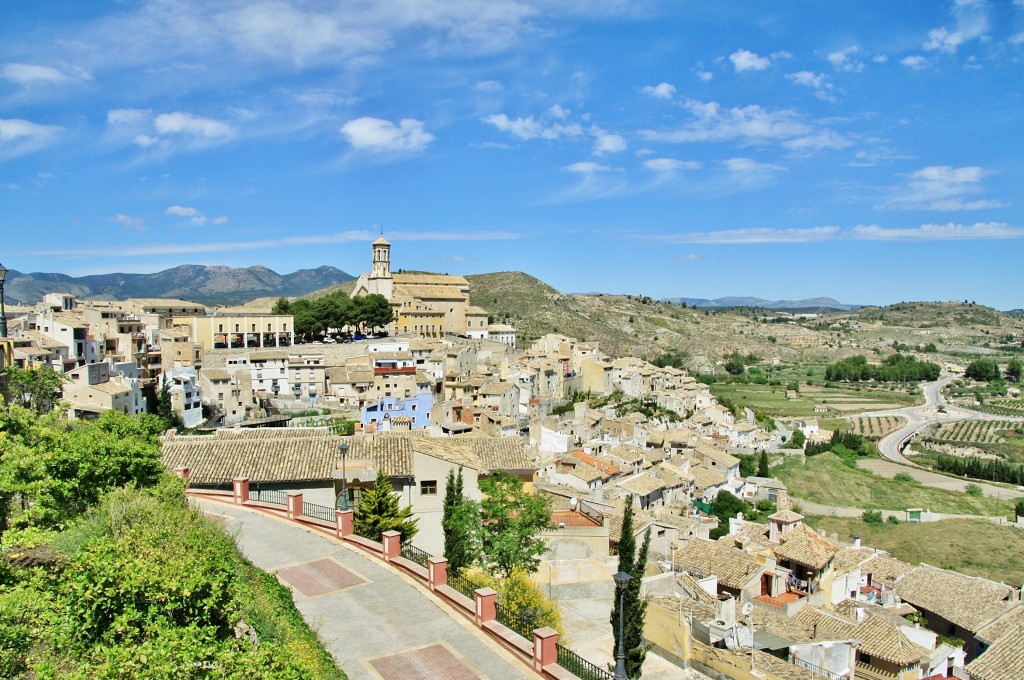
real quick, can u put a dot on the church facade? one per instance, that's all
(426, 305)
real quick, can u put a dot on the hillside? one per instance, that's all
(214, 285)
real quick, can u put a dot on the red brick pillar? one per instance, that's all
(437, 572)
(486, 605)
(344, 522)
(240, 485)
(545, 648)
(392, 541)
(183, 472)
(294, 504)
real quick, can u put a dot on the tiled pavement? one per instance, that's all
(376, 622)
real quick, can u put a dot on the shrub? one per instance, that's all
(893, 519)
(973, 490)
(904, 477)
(872, 517)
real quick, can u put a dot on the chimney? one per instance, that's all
(727, 610)
(856, 541)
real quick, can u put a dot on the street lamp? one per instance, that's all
(622, 580)
(3, 309)
(343, 450)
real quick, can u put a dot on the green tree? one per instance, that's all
(461, 524)
(35, 388)
(797, 441)
(983, 370)
(1013, 370)
(164, 408)
(762, 465)
(378, 511)
(373, 311)
(282, 306)
(633, 606)
(512, 521)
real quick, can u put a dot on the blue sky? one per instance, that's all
(869, 151)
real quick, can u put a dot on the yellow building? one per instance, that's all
(238, 329)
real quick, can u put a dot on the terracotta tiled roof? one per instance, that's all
(487, 454)
(884, 640)
(885, 569)
(786, 516)
(261, 459)
(642, 485)
(967, 601)
(216, 374)
(706, 477)
(733, 567)
(1003, 659)
(1013, 619)
(803, 546)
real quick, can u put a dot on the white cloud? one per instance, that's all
(488, 86)
(530, 128)
(188, 124)
(925, 232)
(749, 125)
(129, 116)
(914, 61)
(383, 136)
(743, 165)
(971, 23)
(845, 60)
(745, 60)
(942, 187)
(692, 257)
(1017, 38)
(670, 165)
(19, 136)
(145, 141)
(28, 75)
(587, 168)
(706, 76)
(129, 222)
(606, 142)
(818, 81)
(660, 91)
(559, 112)
(194, 217)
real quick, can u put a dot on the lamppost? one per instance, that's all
(3, 309)
(622, 580)
(343, 450)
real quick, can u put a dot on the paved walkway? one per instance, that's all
(376, 622)
(885, 468)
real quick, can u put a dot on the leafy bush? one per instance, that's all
(904, 477)
(893, 519)
(872, 517)
(973, 490)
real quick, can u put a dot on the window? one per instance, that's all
(428, 487)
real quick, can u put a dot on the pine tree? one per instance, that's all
(461, 523)
(627, 552)
(378, 511)
(762, 465)
(633, 606)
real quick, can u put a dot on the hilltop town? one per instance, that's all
(444, 388)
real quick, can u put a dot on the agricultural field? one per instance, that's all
(977, 431)
(835, 400)
(876, 427)
(981, 549)
(1002, 407)
(826, 479)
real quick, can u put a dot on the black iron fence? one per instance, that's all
(318, 511)
(580, 667)
(462, 584)
(414, 554)
(523, 625)
(276, 496)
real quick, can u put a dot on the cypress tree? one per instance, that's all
(378, 511)
(460, 521)
(762, 465)
(636, 610)
(627, 553)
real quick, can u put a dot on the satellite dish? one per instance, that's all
(573, 502)
(747, 608)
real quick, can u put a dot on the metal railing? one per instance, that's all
(414, 554)
(318, 511)
(275, 496)
(513, 621)
(817, 671)
(580, 667)
(462, 584)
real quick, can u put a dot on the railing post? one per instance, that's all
(437, 572)
(392, 541)
(240, 486)
(343, 518)
(294, 504)
(545, 648)
(486, 605)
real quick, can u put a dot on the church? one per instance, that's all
(427, 305)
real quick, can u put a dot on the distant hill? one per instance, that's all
(809, 303)
(208, 285)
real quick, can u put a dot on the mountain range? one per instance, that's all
(216, 285)
(808, 303)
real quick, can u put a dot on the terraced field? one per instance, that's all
(876, 427)
(975, 431)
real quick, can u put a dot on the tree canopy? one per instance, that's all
(512, 520)
(378, 511)
(629, 605)
(336, 311)
(895, 368)
(983, 370)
